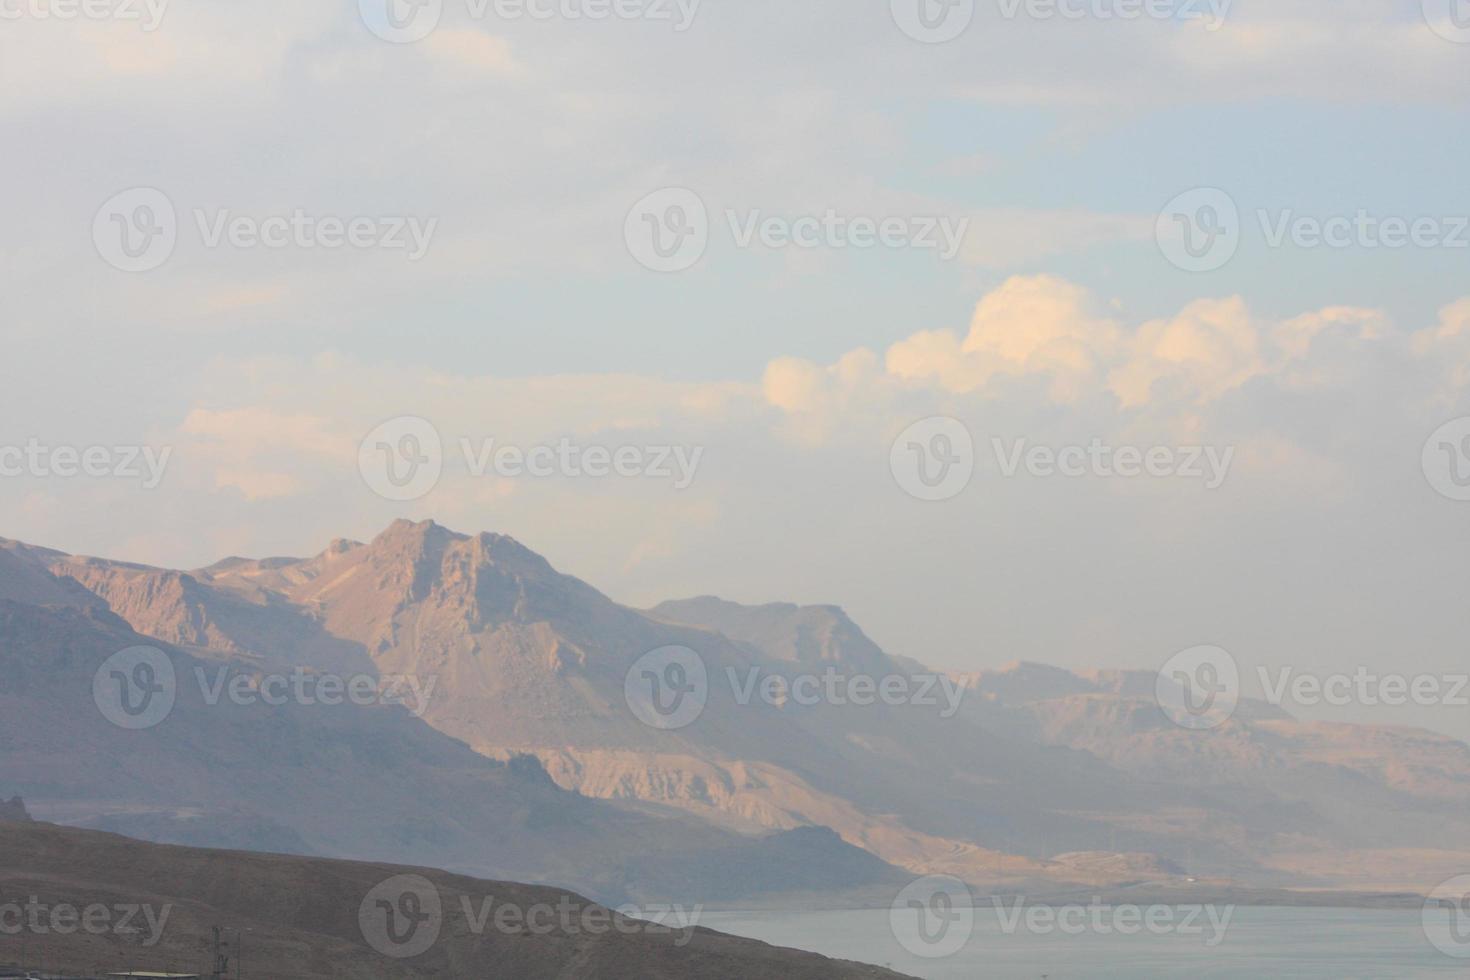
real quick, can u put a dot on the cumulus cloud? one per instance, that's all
(1210, 348)
(1029, 326)
(1448, 344)
(1047, 331)
(1040, 352)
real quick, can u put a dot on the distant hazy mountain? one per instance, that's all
(1366, 805)
(1033, 773)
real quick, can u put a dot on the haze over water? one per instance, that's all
(1296, 943)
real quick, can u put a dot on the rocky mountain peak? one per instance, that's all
(429, 544)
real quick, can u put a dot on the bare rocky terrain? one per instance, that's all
(1041, 779)
(366, 782)
(311, 919)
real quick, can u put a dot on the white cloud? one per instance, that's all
(1448, 344)
(1210, 348)
(1029, 326)
(1045, 330)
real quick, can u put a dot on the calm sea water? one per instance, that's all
(1307, 944)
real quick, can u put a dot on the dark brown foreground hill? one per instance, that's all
(299, 918)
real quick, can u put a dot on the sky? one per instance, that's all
(855, 262)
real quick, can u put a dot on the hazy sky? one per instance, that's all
(519, 148)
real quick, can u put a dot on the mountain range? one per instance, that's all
(522, 754)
